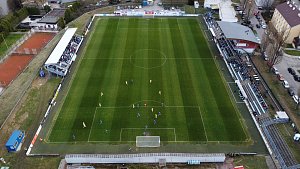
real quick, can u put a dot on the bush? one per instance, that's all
(33, 11)
(47, 8)
(10, 21)
(61, 23)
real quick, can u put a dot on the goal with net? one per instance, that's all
(147, 141)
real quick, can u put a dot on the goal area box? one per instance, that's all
(147, 141)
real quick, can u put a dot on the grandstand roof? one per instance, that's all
(237, 31)
(61, 46)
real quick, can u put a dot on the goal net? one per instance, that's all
(147, 141)
(148, 16)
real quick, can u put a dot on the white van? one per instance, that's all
(275, 70)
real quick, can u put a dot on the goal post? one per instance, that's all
(147, 141)
(148, 16)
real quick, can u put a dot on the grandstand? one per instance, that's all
(64, 53)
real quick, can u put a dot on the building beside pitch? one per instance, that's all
(64, 53)
(286, 18)
(241, 36)
(46, 22)
(226, 10)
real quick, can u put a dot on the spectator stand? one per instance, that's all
(248, 84)
(237, 67)
(64, 53)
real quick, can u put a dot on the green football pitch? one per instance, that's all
(153, 77)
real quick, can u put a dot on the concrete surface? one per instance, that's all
(292, 62)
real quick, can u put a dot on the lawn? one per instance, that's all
(292, 52)
(10, 40)
(147, 77)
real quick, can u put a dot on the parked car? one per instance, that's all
(275, 70)
(257, 26)
(280, 77)
(265, 56)
(264, 26)
(242, 12)
(291, 71)
(297, 78)
(291, 92)
(285, 84)
(296, 99)
(238, 8)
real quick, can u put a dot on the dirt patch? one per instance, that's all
(36, 41)
(12, 67)
(12, 124)
(38, 82)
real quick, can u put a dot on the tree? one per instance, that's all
(47, 8)
(249, 8)
(265, 41)
(277, 41)
(14, 5)
(1, 11)
(33, 11)
(267, 4)
(68, 17)
(61, 23)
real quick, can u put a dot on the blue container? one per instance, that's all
(145, 3)
(14, 141)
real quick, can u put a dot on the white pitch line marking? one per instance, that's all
(203, 123)
(92, 124)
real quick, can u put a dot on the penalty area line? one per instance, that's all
(92, 124)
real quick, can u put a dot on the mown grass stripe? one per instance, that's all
(187, 90)
(171, 87)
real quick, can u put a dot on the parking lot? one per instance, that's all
(289, 62)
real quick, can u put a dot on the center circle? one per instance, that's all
(148, 58)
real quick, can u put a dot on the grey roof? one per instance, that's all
(291, 16)
(237, 31)
(53, 16)
(49, 20)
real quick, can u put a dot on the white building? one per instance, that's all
(226, 10)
